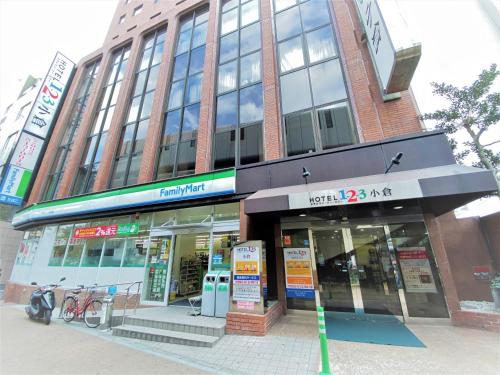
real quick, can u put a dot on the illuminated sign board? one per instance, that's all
(28, 150)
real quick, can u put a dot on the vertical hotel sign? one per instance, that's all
(36, 131)
(393, 52)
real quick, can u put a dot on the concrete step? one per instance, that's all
(193, 328)
(164, 335)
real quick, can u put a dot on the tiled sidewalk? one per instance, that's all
(290, 348)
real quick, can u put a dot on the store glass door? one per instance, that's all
(157, 263)
(189, 266)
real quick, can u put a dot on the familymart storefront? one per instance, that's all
(167, 234)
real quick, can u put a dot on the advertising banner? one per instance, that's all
(298, 271)
(246, 273)
(27, 151)
(416, 270)
(113, 230)
(394, 190)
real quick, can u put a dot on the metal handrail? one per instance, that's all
(138, 283)
(86, 288)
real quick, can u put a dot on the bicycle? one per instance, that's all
(91, 309)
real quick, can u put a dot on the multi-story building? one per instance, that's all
(11, 125)
(213, 122)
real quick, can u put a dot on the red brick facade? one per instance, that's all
(374, 118)
(253, 324)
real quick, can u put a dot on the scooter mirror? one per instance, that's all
(62, 279)
(34, 283)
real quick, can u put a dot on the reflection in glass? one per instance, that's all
(228, 47)
(320, 44)
(282, 4)
(180, 67)
(250, 69)
(199, 35)
(314, 13)
(251, 104)
(249, 12)
(291, 85)
(287, 24)
(193, 89)
(229, 21)
(227, 77)
(327, 82)
(175, 98)
(250, 39)
(226, 110)
(183, 43)
(197, 60)
(291, 55)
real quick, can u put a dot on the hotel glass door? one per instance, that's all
(332, 265)
(356, 270)
(376, 273)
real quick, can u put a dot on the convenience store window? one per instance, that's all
(62, 236)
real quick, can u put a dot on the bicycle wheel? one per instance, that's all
(92, 314)
(70, 307)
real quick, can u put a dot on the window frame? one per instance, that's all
(239, 56)
(314, 108)
(156, 34)
(184, 103)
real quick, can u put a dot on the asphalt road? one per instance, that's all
(28, 347)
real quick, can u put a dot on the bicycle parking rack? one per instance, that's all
(128, 295)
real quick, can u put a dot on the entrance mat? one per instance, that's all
(369, 328)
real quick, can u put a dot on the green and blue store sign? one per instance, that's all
(187, 188)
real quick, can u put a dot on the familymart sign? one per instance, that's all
(194, 187)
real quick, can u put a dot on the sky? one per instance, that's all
(458, 41)
(32, 31)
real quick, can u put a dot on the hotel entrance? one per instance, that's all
(356, 271)
(379, 266)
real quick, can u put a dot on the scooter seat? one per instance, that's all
(76, 291)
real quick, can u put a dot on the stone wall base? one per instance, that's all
(20, 294)
(253, 324)
(473, 319)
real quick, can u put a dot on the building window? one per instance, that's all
(121, 20)
(28, 247)
(137, 10)
(96, 140)
(23, 112)
(239, 114)
(177, 154)
(78, 109)
(7, 148)
(133, 135)
(320, 117)
(62, 238)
